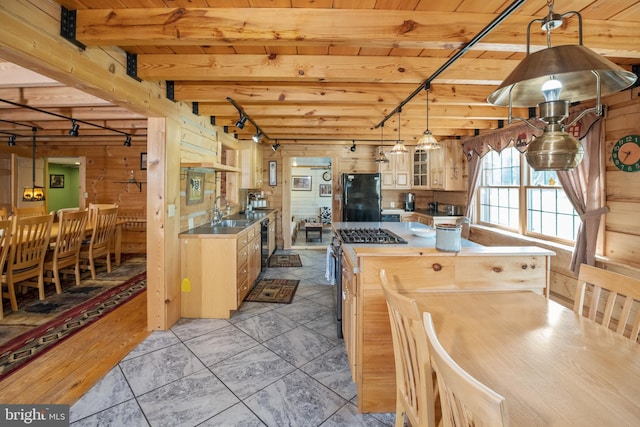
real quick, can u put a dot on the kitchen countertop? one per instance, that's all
(429, 212)
(213, 231)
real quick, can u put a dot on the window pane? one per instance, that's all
(550, 213)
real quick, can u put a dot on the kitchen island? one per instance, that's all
(416, 266)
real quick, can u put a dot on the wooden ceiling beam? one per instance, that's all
(407, 29)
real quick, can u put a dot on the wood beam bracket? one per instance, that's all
(194, 107)
(171, 91)
(500, 124)
(635, 69)
(68, 26)
(132, 66)
(212, 120)
(226, 129)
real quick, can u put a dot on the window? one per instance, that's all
(509, 186)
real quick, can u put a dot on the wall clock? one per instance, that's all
(626, 153)
(327, 176)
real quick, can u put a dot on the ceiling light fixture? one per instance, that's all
(399, 148)
(240, 123)
(427, 141)
(257, 136)
(12, 141)
(353, 146)
(552, 78)
(74, 128)
(382, 157)
(127, 141)
(275, 146)
(33, 193)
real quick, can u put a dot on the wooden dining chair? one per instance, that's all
(4, 214)
(5, 241)
(604, 307)
(30, 211)
(99, 245)
(94, 207)
(29, 242)
(464, 400)
(415, 395)
(66, 250)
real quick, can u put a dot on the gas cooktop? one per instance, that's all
(369, 235)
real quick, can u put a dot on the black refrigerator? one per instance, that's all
(361, 197)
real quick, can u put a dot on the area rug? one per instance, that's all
(26, 347)
(273, 290)
(289, 260)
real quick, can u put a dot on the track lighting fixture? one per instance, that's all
(12, 141)
(382, 157)
(399, 148)
(353, 147)
(240, 123)
(257, 137)
(74, 128)
(427, 141)
(127, 141)
(275, 146)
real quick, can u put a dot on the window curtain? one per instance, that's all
(584, 186)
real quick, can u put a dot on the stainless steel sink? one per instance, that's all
(234, 223)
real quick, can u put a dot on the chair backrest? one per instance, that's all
(620, 291)
(30, 239)
(71, 231)
(103, 227)
(4, 214)
(5, 241)
(30, 211)
(465, 401)
(95, 207)
(414, 381)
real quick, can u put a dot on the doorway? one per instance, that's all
(65, 183)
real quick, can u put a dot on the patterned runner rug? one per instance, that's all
(273, 290)
(289, 260)
(24, 348)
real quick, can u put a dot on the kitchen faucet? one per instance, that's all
(217, 214)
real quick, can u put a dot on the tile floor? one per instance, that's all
(270, 364)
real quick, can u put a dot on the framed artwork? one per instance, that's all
(56, 181)
(301, 183)
(273, 173)
(195, 188)
(325, 190)
(143, 161)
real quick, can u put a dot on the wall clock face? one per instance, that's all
(626, 153)
(326, 176)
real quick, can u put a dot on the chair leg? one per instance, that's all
(77, 271)
(399, 413)
(41, 287)
(12, 296)
(108, 262)
(92, 267)
(56, 280)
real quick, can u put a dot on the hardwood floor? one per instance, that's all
(66, 372)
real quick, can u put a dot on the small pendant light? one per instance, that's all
(382, 157)
(427, 141)
(399, 148)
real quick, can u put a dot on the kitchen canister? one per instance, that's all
(448, 237)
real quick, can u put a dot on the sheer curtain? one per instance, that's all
(584, 186)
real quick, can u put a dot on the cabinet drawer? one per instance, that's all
(243, 273)
(243, 291)
(242, 240)
(243, 255)
(251, 234)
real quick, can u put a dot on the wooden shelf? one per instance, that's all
(210, 167)
(137, 183)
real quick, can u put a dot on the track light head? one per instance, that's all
(12, 141)
(353, 147)
(74, 128)
(127, 141)
(275, 146)
(257, 137)
(240, 123)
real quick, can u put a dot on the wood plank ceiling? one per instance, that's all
(323, 70)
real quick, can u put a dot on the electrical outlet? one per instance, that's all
(172, 211)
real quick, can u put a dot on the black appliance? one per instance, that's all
(361, 197)
(390, 217)
(264, 242)
(354, 236)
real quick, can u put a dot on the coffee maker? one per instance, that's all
(409, 202)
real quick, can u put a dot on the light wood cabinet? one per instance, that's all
(349, 313)
(396, 174)
(250, 164)
(420, 168)
(447, 167)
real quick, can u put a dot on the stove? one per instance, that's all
(369, 235)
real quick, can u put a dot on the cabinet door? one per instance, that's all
(402, 164)
(420, 169)
(255, 259)
(436, 168)
(349, 314)
(251, 164)
(272, 235)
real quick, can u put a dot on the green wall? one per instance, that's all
(66, 197)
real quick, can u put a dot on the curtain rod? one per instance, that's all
(427, 83)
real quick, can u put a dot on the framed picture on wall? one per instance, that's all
(273, 173)
(195, 188)
(56, 181)
(325, 190)
(301, 183)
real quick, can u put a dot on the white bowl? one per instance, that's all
(423, 232)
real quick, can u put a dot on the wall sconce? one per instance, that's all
(74, 128)
(552, 78)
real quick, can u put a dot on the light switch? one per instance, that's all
(172, 211)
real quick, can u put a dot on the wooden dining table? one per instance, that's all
(553, 366)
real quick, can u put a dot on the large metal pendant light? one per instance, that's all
(33, 193)
(427, 141)
(399, 148)
(552, 78)
(382, 157)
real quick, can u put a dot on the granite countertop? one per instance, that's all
(208, 230)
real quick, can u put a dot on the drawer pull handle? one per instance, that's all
(436, 266)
